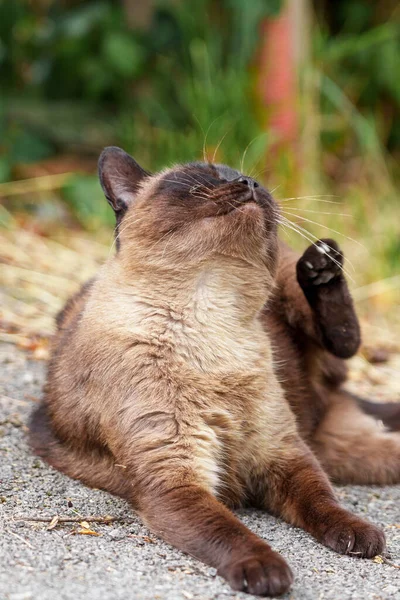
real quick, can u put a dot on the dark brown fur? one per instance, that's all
(162, 387)
(312, 332)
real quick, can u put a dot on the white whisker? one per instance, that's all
(309, 237)
(246, 149)
(275, 188)
(329, 229)
(127, 223)
(200, 183)
(205, 139)
(219, 143)
(315, 198)
(258, 173)
(318, 212)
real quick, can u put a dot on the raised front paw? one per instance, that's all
(351, 535)
(262, 573)
(320, 263)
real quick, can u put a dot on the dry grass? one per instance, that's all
(39, 273)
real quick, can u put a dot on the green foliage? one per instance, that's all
(362, 67)
(191, 67)
(85, 196)
(86, 52)
(200, 88)
(75, 77)
(20, 145)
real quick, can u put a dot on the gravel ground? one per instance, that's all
(125, 561)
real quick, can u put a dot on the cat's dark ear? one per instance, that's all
(120, 176)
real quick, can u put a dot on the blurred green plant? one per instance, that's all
(76, 77)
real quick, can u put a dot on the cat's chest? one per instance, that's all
(208, 341)
(209, 333)
(219, 346)
(213, 334)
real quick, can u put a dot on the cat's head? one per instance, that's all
(189, 213)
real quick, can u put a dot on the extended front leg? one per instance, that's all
(299, 491)
(173, 495)
(193, 520)
(320, 276)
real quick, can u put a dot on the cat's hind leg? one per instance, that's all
(296, 488)
(95, 468)
(354, 447)
(178, 507)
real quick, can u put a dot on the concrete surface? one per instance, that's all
(126, 561)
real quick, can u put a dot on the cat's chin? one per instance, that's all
(251, 206)
(249, 212)
(247, 208)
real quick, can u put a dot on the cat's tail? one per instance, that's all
(96, 469)
(387, 412)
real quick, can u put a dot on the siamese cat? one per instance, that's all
(199, 371)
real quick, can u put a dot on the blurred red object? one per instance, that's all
(277, 82)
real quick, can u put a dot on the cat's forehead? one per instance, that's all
(216, 170)
(219, 170)
(226, 172)
(177, 179)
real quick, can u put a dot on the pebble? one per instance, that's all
(116, 534)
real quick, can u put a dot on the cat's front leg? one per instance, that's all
(190, 518)
(171, 490)
(320, 275)
(299, 491)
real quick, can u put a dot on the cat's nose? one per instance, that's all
(249, 182)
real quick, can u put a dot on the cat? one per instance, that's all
(164, 382)
(312, 332)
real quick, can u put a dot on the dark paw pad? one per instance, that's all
(355, 537)
(320, 263)
(263, 573)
